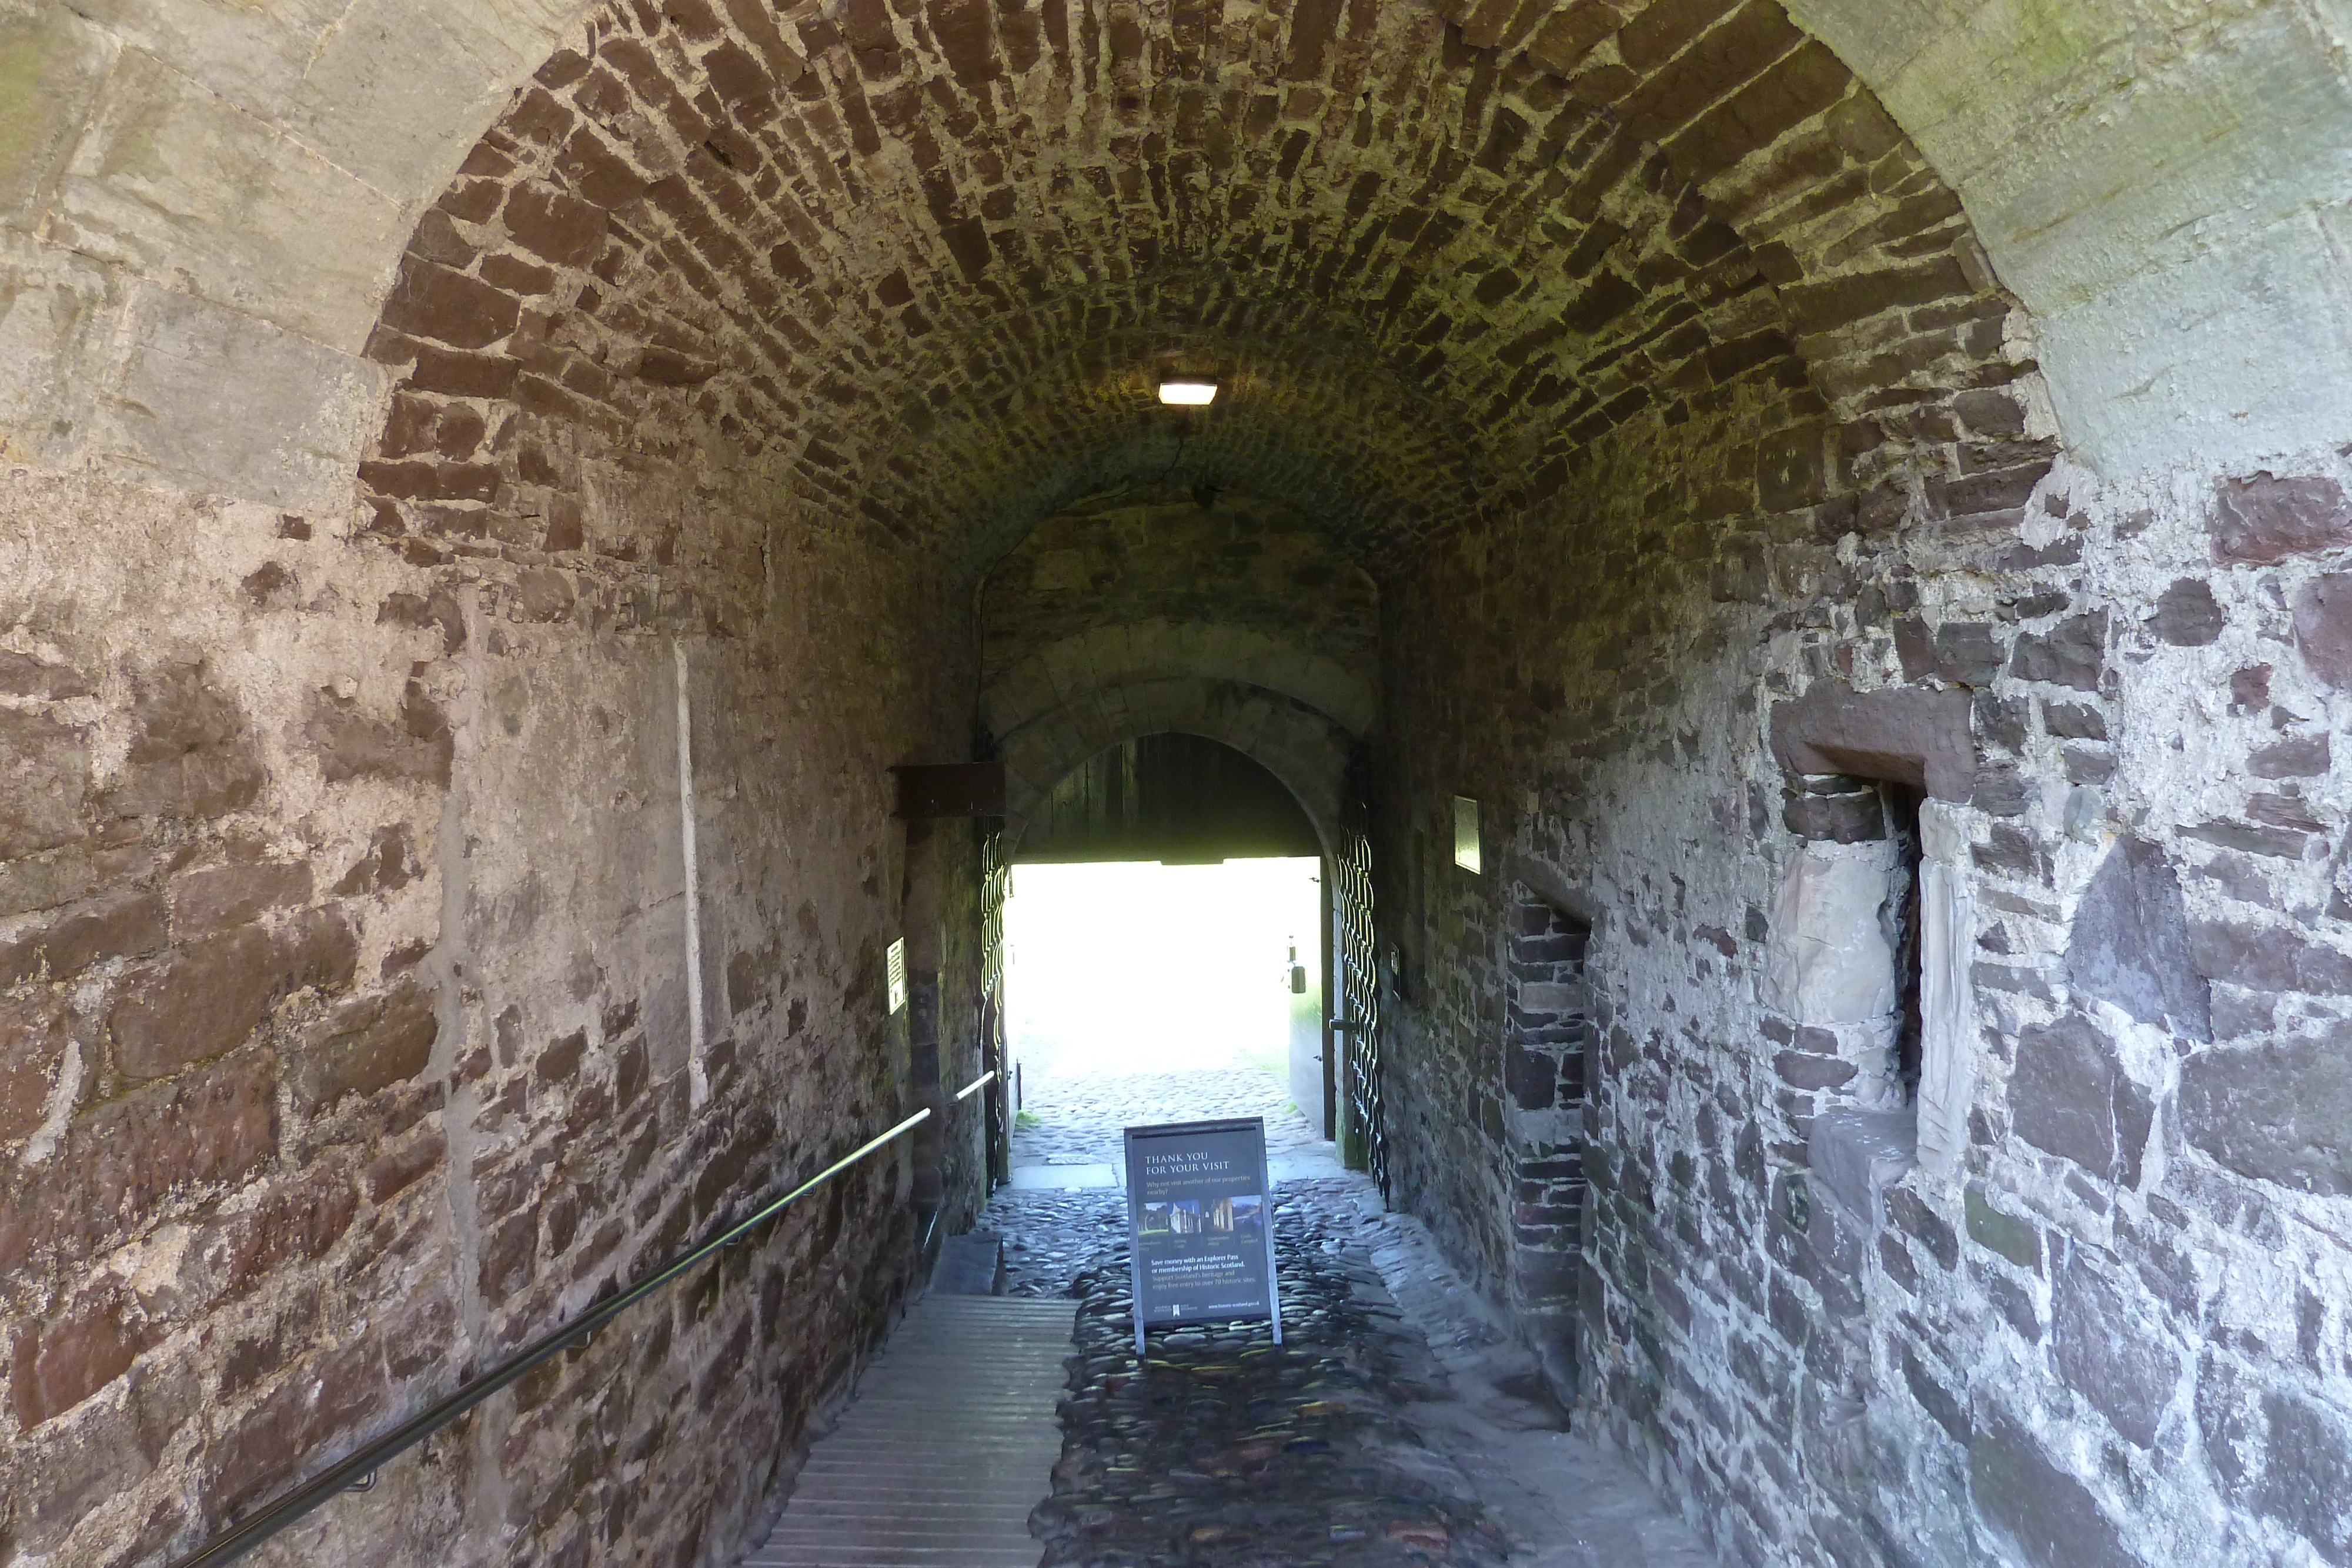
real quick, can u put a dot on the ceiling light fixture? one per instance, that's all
(1188, 391)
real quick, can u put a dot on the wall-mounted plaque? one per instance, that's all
(1200, 1214)
(1466, 852)
(895, 967)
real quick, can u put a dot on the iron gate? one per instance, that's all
(1355, 1017)
(995, 883)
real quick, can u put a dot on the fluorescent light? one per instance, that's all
(1188, 392)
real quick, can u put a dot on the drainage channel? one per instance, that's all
(949, 1443)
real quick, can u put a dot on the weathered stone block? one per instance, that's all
(32, 1046)
(352, 743)
(2051, 1518)
(58, 1364)
(554, 225)
(58, 60)
(44, 776)
(1809, 1071)
(1834, 303)
(1829, 962)
(2308, 1473)
(190, 755)
(119, 927)
(1857, 1155)
(290, 438)
(2074, 721)
(173, 180)
(1944, 1406)
(2280, 1112)
(340, 1390)
(2071, 1096)
(2072, 653)
(441, 304)
(2302, 757)
(368, 1044)
(2266, 958)
(1531, 1078)
(2264, 520)
(389, 864)
(2019, 1241)
(2187, 614)
(1838, 819)
(2129, 943)
(1908, 735)
(560, 1061)
(1968, 653)
(215, 896)
(68, 1470)
(1913, 1216)
(2323, 627)
(208, 997)
(23, 676)
(2112, 1348)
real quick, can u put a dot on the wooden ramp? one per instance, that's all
(949, 1443)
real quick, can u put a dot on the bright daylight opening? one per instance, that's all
(1138, 992)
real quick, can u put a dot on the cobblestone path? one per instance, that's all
(1076, 1119)
(1224, 1451)
(1380, 1434)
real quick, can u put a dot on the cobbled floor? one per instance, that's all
(1353, 1443)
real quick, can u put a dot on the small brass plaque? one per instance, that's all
(1465, 834)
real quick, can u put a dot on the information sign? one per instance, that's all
(1201, 1224)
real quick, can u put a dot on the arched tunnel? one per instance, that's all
(1835, 510)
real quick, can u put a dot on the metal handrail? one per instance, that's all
(931, 1226)
(357, 1472)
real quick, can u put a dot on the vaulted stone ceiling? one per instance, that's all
(923, 265)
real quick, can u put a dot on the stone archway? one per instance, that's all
(1306, 750)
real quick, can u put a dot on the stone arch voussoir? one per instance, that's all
(1306, 749)
(1154, 650)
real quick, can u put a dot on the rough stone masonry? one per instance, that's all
(1854, 494)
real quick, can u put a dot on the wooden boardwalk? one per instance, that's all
(949, 1443)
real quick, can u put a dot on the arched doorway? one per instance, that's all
(1165, 957)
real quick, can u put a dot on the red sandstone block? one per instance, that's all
(693, 20)
(32, 1045)
(59, 1364)
(553, 225)
(299, 1221)
(124, 925)
(430, 300)
(367, 1044)
(757, 22)
(1799, 85)
(212, 897)
(1717, 65)
(335, 1393)
(596, 172)
(1572, 32)
(392, 1173)
(540, 119)
(967, 38)
(204, 999)
(507, 1256)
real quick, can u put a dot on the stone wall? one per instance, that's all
(350, 1033)
(699, 358)
(1154, 609)
(2109, 1328)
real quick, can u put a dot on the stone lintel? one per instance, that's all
(1907, 734)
